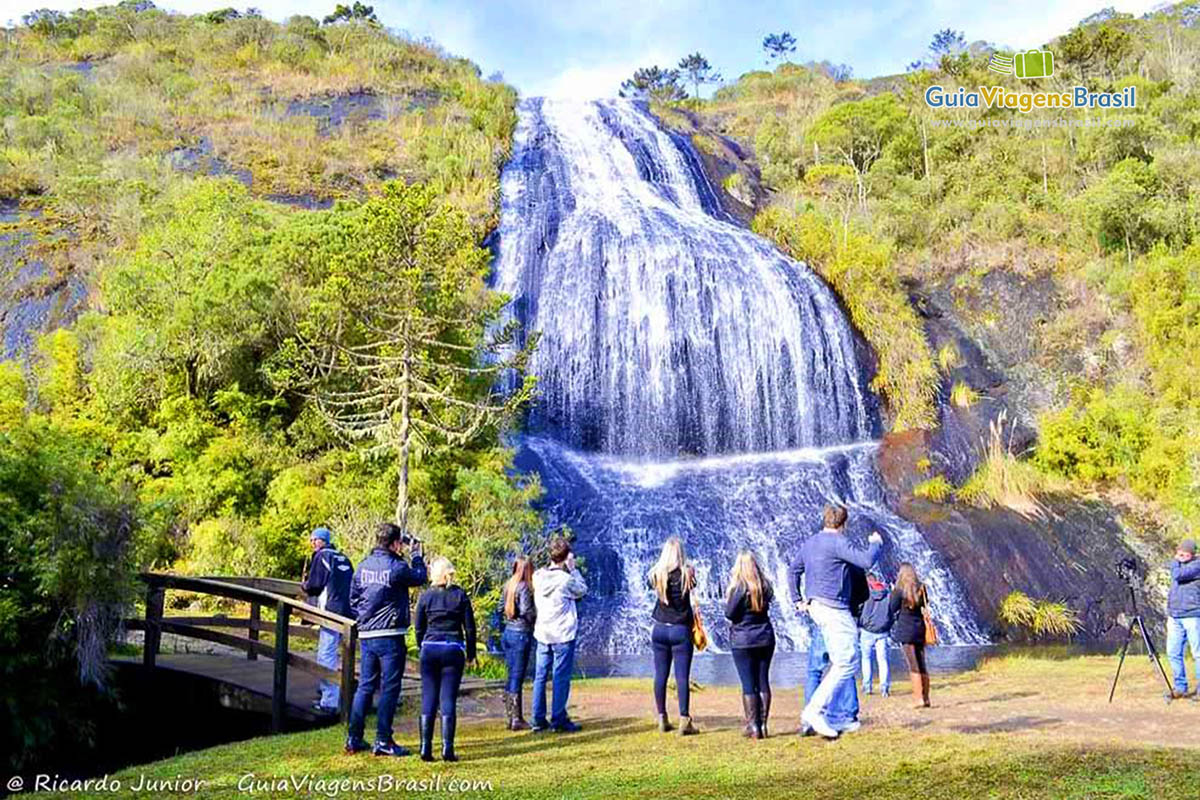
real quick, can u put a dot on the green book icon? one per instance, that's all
(1034, 64)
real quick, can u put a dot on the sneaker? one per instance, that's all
(848, 727)
(567, 727)
(390, 749)
(819, 724)
(320, 709)
(805, 730)
(356, 746)
(885, 692)
(538, 726)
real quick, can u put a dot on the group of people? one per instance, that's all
(851, 612)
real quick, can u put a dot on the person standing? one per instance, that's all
(824, 564)
(445, 628)
(875, 622)
(327, 585)
(843, 706)
(751, 640)
(672, 580)
(907, 604)
(520, 616)
(379, 599)
(1183, 615)
(556, 590)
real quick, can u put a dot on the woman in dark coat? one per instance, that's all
(907, 605)
(752, 639)
(445, 627)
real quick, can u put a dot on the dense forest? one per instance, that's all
(204, 202)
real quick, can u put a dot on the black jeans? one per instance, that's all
(754, 668)
(672, 642)
(441, 673)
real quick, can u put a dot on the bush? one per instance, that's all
(937, 489)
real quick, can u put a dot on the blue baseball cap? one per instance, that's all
(323, 534)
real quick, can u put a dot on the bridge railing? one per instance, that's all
(285, 597)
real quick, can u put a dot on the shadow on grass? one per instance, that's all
(594, 730)
(1003, 697)
(1010, 725)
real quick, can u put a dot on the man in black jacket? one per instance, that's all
(327, 584)
(379, 599)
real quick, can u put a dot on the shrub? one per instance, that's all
(1003, 480)
(962, 395)
(937, 489)
(1039, 618)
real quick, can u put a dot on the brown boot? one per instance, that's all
(925, 690)
(518, 722)
(664, 724)
(686, 728)
(751, 712)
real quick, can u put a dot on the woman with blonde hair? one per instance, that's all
(445, 627)
(672, 580)
(907, 603)
(751, 639)
(520, 615)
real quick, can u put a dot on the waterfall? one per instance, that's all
(692, 380)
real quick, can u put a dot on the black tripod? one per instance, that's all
(1151, 651)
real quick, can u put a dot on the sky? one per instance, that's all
(585, 49)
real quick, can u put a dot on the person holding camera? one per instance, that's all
(327, 583)
(379, 600)
(1183, 615)
(825, 564)
(445, 628)
(556, 590)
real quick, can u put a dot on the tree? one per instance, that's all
(355, 13)
(947, 50)
(858, 132)
(698, 72)
(1089, 49)
(655, 83)
(397, 340)
(779, 45)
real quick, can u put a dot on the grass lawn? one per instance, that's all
(1015, 728)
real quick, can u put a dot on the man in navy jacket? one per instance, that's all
(379, 600)
(327, 584)
(1183, 613)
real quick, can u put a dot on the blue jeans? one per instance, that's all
(560, 657)
(327, 656)
(442, 666)
(382, 668)
(672, 643)
(874, 647)
(517, 647)
(1183, 631)
(843, 707)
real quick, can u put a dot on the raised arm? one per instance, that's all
(1185, 572)
(576, 587)
(859, 557)
(405, 575)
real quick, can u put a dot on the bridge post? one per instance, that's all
(279, 690)
(349, 684)
(255, 617)
(152, 638)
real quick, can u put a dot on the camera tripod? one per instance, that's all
(1151, 651)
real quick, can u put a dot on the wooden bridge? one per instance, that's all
(286, 682)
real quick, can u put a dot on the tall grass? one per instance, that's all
(1038, 617)
(1002, 480)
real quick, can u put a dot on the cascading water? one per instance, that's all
(692, 379)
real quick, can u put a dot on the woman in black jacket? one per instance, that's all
(672, 580)
(520, 614)
(907, 605)
(752, 640)
(446, 636)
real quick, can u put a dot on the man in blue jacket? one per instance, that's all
(379, 599)
(327, 584)
(826, 565)
(1183, 614)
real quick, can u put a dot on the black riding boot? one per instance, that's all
(518, 723)
(425, 723)
(764, 708)
(750, 711)
(449, 723)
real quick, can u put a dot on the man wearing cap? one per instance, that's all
(327, 584)
(1183, 614)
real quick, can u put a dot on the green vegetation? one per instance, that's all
(174, 425)
(1003, 480)
(1039, 618)
(937, 489)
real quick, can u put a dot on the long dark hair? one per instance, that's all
(522, 572)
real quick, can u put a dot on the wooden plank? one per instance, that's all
(255, 621)
(348, 683)
(279, 685)
(155, 597)
(235, 591)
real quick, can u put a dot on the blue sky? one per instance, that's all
(587, 48)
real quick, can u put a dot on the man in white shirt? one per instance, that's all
(556, 590)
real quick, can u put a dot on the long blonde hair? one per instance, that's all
(670, 559)
(912, 591)
(746, 573)
(441, 572)
(522, 572)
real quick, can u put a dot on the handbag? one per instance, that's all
(931, 631)
(699, 635)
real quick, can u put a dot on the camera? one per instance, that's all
(1128, 570)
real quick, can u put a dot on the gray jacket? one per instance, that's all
(526, 611)
(1184, 598)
